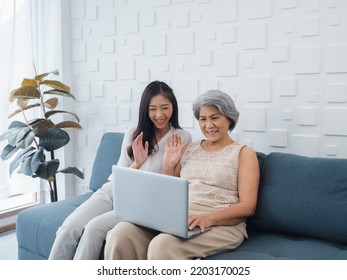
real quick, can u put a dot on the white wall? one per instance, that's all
(283, 61)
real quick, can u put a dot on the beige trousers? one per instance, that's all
(127, 241)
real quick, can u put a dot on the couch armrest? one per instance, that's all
(107, 155)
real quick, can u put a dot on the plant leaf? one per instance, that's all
(60, 93)
(21, 136)
(47, 169)
(36, 160)
(41, 125)
(8, 133)
(68, 124)
(40, 77)
(16, 124)
(56, 85)
(26, 92)
(29, 138)
(23, 109)
(53, 112)
(51, 103)
(74, 171)
(29, 82)
(12, 134)
(25, 167)
(53, 139)
(8, 152)
(52, 167)
(20, 157)
(22, 102)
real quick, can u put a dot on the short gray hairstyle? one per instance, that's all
(220, 100)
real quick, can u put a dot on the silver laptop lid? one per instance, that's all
(151, 200)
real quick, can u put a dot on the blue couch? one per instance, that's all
(301, 211)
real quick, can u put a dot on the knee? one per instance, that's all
(69, 228)
(118, 234)
(117, 239)
(162, 247)
(93, 228)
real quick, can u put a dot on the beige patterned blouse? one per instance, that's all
(212, 176)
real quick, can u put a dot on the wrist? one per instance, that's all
(168, 170)
(135, 165)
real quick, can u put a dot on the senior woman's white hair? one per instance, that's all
(220, 100)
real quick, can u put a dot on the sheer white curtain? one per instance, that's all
(30, 32)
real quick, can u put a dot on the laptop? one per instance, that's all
(152, 200)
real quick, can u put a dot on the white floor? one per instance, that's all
(8, 245)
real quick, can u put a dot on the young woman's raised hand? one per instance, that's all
(140, 151)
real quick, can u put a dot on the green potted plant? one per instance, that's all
(29, 141)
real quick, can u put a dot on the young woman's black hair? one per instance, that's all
(144, 124)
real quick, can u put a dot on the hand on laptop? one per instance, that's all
(202, 221)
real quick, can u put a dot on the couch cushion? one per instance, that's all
(36, 227)
(270, 246)
(303, 196)
(107, 155)
(261, 160)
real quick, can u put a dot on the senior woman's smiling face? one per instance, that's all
(213, 124)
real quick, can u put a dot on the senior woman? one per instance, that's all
(223, 180)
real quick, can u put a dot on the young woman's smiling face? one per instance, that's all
(160, 111)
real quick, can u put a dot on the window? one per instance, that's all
(24, 28)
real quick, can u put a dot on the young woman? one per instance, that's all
(83, 232)
(223, 180)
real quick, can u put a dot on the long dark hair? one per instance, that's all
(144, 124)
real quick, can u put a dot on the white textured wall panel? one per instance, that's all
(254, 35)
(126, 69)
(109, 114)
(283, 61)
(307, 60)
(307, 116)
(130, 22)
(259, 8)
(82, 92)
(259, 89)
(186, 117)
(184, 42)
(335, 121)
(278, 137)
(306, 145)
(226, 64)
(226, 10)
(254, 119)
(309, 26)
(157, 45)
(107, 25)
(279, 52)
(337, 93)
(287, 86)
(228, 34)
(187, 90)
(79, 51)
(77, 9)
(288, 4)
(204, 57)
(336, 59)
(108, 70)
